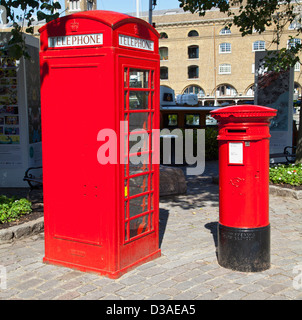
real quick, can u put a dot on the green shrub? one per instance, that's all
(211, 144)
(286, 174)
(12, 208)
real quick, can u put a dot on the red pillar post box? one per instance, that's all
(244, 229)
(100, 95)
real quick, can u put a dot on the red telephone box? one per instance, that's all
(100, 90)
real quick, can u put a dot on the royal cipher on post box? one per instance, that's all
(244, 228)
(99, 96)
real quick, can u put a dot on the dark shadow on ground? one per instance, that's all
(212, 226)
(163, 220)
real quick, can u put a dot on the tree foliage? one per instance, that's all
(27, 11)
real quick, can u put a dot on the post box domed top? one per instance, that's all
(243, 111)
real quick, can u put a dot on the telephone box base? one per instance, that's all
(110, 274)
(244, 249)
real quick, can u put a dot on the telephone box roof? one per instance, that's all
(110, 18)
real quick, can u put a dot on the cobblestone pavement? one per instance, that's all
(187, 269)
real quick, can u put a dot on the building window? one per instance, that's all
(193, 72)
(171, 120)
(225, 31)
(193, 33)
(225, 48)
(163, 73)
(74, 5)
(250, 91)
(163, 52)
(89, 4)
(253, 68)
(297, 67)
(291, 43)
(294, 25)
(163, 35)
(225, 69)
(195, 90)
(226, 90)
(193, 52)
(259, 46)
(192, 120)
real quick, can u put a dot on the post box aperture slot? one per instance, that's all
(236, 130)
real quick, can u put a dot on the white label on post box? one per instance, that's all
(137, 43)
(76, 40)
(236, 153)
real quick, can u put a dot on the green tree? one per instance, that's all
(23, 19)
(260, 15)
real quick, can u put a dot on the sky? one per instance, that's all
(127, 6)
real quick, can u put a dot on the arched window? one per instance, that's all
(164, 72)
(193, 52)
(259, 45)
(225, 47)
(163, 35)
(193, 33)
(225, 90)
(225, 31)
(193, 72)
(163, 52)
(195, 90)
(250, 90)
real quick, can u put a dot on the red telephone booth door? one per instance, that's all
(140, 172)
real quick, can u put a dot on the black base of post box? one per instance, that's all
(244, 249)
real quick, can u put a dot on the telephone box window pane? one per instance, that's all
(125, 100)
(126, 227)
(138, 226)
(139, 78)
(138, 185)
(138, 143)
(125, 78)
(138, 205)
(138, 164)
(138, 100)
(138, 121)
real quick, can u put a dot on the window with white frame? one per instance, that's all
(225, 31)
(74, 5)
(259, 45)
(291, 43)
(225, 47)
(294, 25)
(224, 68)
(164, 53)
(297, 66)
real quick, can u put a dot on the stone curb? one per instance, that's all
(285, 192)
(23, 230)
(275, 190)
